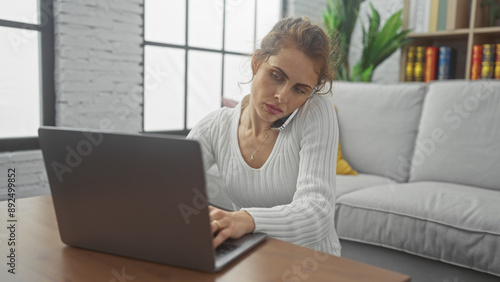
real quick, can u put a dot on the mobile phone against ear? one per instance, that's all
(282, 122)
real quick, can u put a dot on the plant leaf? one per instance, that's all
(356, 72)
(389, 30)
(391, 48)
(366, 75)
(397, 40)
(374, 25)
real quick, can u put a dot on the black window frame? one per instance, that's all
(185, 131)
(47, 89)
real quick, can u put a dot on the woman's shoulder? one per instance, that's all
(315, 117)
(219, 118)
(321, 101)
(224, 115)
(318, 106)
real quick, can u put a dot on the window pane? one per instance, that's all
(163, 88)
(237, 71)
(165, 21)
(25, 11)
(204, 84)
(240, 19)
(205, 23)
(268, 13)
(19, 82)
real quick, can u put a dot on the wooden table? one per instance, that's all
(41, 256)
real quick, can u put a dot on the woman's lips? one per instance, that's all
(275, 110)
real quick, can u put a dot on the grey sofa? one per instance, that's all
(426, 201)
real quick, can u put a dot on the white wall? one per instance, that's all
(98, 77)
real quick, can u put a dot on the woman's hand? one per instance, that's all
(229, 224)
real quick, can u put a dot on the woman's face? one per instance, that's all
(282, 84)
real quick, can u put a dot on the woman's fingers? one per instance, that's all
(221, 237)
(216, 226)
(229, 224)
(216, 215)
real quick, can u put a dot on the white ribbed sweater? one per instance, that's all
(292, 196)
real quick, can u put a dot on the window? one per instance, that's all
(26, 72)
(196, 52)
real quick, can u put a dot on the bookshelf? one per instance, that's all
(472, 28)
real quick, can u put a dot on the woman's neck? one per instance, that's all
(250, 120)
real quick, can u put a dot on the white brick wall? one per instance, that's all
(99, 63)
(98, 78)
(313, 9)
(31, 178)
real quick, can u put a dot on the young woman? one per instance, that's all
(281, 180)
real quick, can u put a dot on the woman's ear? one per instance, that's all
(255, 64)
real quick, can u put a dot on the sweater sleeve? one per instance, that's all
(204, 133)
(309, 218)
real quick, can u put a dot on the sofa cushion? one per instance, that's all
(378, 124)
(459, 134)
(452, 223)
(350, 183)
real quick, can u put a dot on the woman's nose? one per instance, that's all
(281, 94)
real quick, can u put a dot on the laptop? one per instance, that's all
(135, 195)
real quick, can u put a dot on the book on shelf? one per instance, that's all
(433, 15)
(431, 61)
(443, 9)
(419, 15)
(418, 71)
(497, 62)
(447, 63)
(427, 15)
(488, 62)
(477, 58)
(412, 14)
(410, 64)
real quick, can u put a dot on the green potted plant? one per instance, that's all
(378, 44)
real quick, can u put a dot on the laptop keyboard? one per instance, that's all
(224, 248)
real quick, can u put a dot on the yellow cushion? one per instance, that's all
(343, 166)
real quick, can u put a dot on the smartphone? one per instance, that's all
(282, 122)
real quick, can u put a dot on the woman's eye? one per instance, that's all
(300, 91)
(275, 75)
